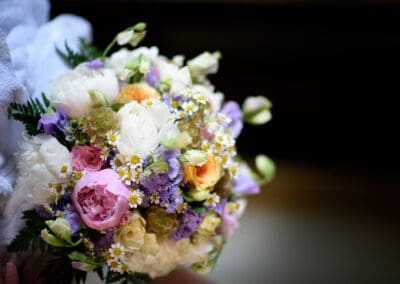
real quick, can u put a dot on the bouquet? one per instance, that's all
(129, 166)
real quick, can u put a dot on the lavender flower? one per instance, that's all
(55, 124)
(189, 222)
(153, 76)
(244, 185)
(73, 219)
(232, 110)
(95, 64)
(162, 179)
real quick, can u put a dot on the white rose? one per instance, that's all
(170, 255)
(141, 127)
(119, 59)
(39, 165)
(179, 78)
(71, 91)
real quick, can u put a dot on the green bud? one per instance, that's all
(137, 37)
(204, 64)
(61, 228)
(51, 239)
(139, 27)
(266, 167)
(194, 157)
(256, 110)
(98, 98)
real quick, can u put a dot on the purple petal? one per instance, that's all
(244, 185)
(95, 64)
(232, 110)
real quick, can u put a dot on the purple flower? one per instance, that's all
(153, 77)
(55, 124)
(73, 219)
(165, 183)
(219, 208)
(95, 64)
(244, 185)
(189, 222)
(232, 110)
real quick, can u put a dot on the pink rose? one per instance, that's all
(86, 158)
(101, 199)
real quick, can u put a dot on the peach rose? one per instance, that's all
(204, 177)
(136, 92)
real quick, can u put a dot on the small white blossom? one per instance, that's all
(200, 98)
(116, 250)
(112, 137)
(212, 200)
(65, 171)
(136, 198)
(190, 107)
(124, 37)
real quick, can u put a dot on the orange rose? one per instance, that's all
(204, 177)
(136, 92)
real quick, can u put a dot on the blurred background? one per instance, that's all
(331, 69)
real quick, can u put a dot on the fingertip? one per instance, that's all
(11, 274)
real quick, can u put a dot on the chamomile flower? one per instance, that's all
(117, 162)
(212, 200)
(64, 171)
(57, 188)
(112, 137)
(115, 265)
(233, 170)
(78, 175)
(136, 198)
(190, 108)
(149, 102)
(224, 138)
(116, 250)
(105, 153)
(207, 147)
(134, 161)
(126, 175)
(200, 98)
(154, 199)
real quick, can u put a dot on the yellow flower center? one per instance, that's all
(117, 251)
(189, 107)
(122, 173)
(135, 159)
(58, 187)
(114, 264)
(133, 199)
(174, 104)
(112, 137)
(64, 169)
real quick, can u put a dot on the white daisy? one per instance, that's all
(200, 98)
(136, 198)
(65, 171)
(112, 137)
(116, 250)
(189, 107)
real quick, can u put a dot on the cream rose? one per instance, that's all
(131, 235)
(141, 126)
(71, 91)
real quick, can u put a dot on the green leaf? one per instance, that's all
(29, 236)
(30, 113)
(86, 53)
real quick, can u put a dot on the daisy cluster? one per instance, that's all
(135, 165)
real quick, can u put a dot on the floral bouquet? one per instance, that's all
(129, 166)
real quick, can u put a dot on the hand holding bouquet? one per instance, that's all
(130, 163)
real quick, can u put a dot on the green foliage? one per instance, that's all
(127, 278)
(86, 53)
(58, 270)
(29, 236)
(29, 113)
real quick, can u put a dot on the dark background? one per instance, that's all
(332, 73)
